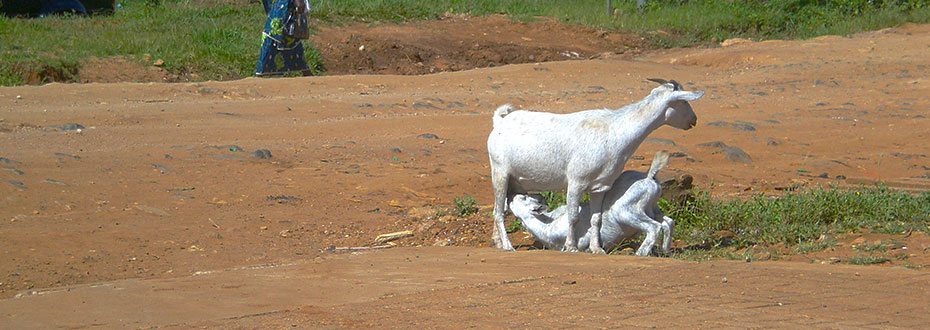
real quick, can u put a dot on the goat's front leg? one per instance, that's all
(597, 210)
(572, 202)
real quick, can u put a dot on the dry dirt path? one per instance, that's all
(163, 180)
(464, 287)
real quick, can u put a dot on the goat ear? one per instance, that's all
(687, 95)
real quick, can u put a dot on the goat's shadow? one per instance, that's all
(628, 247)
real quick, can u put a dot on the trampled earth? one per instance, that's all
(162, 197)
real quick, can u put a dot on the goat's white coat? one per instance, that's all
(579, 152)
(632, 208)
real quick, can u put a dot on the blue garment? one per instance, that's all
(275, 43)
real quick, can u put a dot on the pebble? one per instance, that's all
(67, 127)
(662, 141)
(55, 182)
(152, 210)
(67, 155)
(9, 161)
(230, 147)
(262, 154)
(733, 153)
(160, 167)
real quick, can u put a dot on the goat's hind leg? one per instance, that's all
(499, 231)
(668, 228)
(651, 228)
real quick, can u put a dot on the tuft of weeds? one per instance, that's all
(862, 259)
(802, 216)
(910, 265)
(465, 205)
(814, 246)
(865, 247)
(515, 226)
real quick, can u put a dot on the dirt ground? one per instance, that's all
(111, 181)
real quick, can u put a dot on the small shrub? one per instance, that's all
(870, 247)
(465, 205)
(514, 226)
(862, 259)
(818, 245)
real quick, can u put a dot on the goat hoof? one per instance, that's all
(597, 251)
(506, 246)
(569, 249)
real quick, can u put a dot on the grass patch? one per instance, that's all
(862, 259)
(465, 205)
(815, 246)
(910, 265)
(800, 217)
(880, 247)
(796, 220)
(216, 41)
(220, 40)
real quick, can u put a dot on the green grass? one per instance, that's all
(862, 259)
(814, 246)
(796, 219)
(465, 205)
(215, 42)
(218, 40)
(880, 247)
(801, 217)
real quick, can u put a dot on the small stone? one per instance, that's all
(262, 154)
(159, 62)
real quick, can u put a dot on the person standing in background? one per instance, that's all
(275, 42)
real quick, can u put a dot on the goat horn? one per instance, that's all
(657, 80)
(674, 83)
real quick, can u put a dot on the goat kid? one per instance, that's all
(576, 152)
(632, 209)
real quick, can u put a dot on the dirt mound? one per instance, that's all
(449, 44)
(461, 43)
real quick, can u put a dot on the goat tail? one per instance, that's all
(501, 112)
(660, 160)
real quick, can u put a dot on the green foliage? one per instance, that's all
(862, 259)
(220, 40)
(215, 41)
(814, 246)
(465, 205)
(555, 199)
(800, 217)
(514, 226)
(870, 247)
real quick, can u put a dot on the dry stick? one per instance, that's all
(357, 248)
(214, 223)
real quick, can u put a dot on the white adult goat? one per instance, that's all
(631, 208)
(579, 152)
